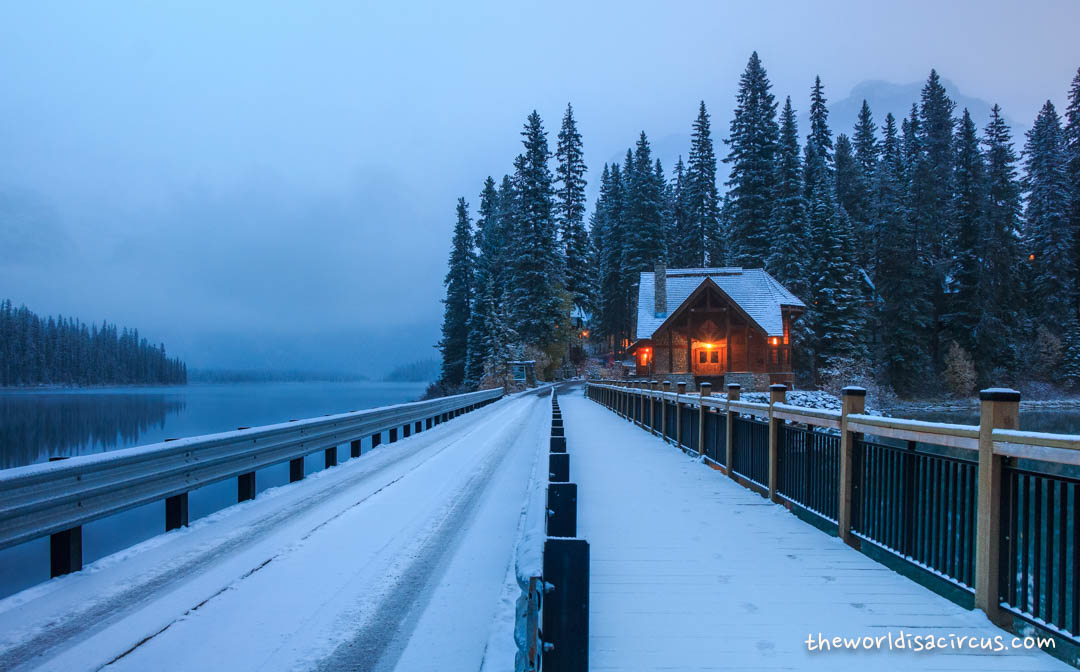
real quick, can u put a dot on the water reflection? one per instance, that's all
(37, 426)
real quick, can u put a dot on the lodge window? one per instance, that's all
(702, 357)
(715, 357)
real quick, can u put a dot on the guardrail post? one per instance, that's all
(418, 427)
(376, 439)
(566, 605)
(653, 386)
(733, 391)
(704, 390)
(853, 401)
(245, 486)
(176, 511)
(330, 457)
(559, 467)
(680, 389)
(393, 435)
(296, 470)
(406, 430)
(777, 395)
(65, 547)
(1000, 409)
(355, 448)
(562, 510)
(428, 422)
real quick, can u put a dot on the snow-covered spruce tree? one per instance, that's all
(966, 301)
(995, 352)
(608, 222)
(702, 199)
(490, 259)
(905, 308)
(570, 211)
(1071, 359)
(458, 302)
(931, 199)
(1072, 153)
(644, 219)
(681, 251)
(788, 259)
(534, 281)
(752, 154)
(1047, 233)
(859, 203)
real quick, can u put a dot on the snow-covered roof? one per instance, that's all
(754, 290)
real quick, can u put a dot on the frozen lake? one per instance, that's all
(36, 425)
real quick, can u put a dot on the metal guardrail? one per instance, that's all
(56, 497)
(986, 514)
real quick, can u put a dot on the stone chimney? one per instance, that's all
(660, 290)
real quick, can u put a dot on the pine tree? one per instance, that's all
(702, 199)
(995, 350)
(969, 209)
(860, 206)
(644, 246)
(1047, 233)
(1072, 151)
(787, 261)
(534, 269)
(608, 240)
(752, 153)
(491, 245)
(905, 309)
(682, 241)
(570, 211)
(458, 302)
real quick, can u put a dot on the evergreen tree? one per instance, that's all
(847, 174)
(752, 153)
(859, 203)
(608, 239)
(570, 211)
(491, 245)
(1047, 233)
(968, 208)
(787, 261)
(534, 269)
(644, 220)
(702, 199)
(995, 349)
(458, 302)
(904, 310)
(1072, 152)
(682, 247)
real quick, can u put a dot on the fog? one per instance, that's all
(273, 184)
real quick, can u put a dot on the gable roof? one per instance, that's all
(752, 289)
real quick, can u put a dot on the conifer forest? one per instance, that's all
(935, 257)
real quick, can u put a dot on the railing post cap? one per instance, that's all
(667, 382)
(681, 385)
(706, 385)
(853, 391)
(776, 387)
(999, 394)
(733, 386)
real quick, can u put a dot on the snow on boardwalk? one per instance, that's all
(691, 571)
(396, 560)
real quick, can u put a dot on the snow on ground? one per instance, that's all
(398, 559)
(691, 571)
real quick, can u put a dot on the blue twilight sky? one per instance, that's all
(260, 183)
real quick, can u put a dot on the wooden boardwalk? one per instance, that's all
(691, 571)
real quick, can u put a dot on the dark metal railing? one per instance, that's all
(808, 468)
(750, 437)
(920, 504)
(1040, 563)
(716, 437)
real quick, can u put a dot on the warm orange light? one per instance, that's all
(708, 346)
(1031, 257)
(585, 334)
(774, 340)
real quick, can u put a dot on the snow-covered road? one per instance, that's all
(396, 560)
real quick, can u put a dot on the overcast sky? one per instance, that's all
(282, 176)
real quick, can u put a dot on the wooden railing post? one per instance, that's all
(777, 395)
(680, 390)
(853, 401)
(704, 390)
(733, 390)
(653, 386)
(1000, 409)
(663, 410)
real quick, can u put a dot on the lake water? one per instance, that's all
(36, 425)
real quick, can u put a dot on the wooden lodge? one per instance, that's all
(720, 325)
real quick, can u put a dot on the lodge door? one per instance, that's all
(709, 361)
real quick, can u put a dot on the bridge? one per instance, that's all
(417, 554)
